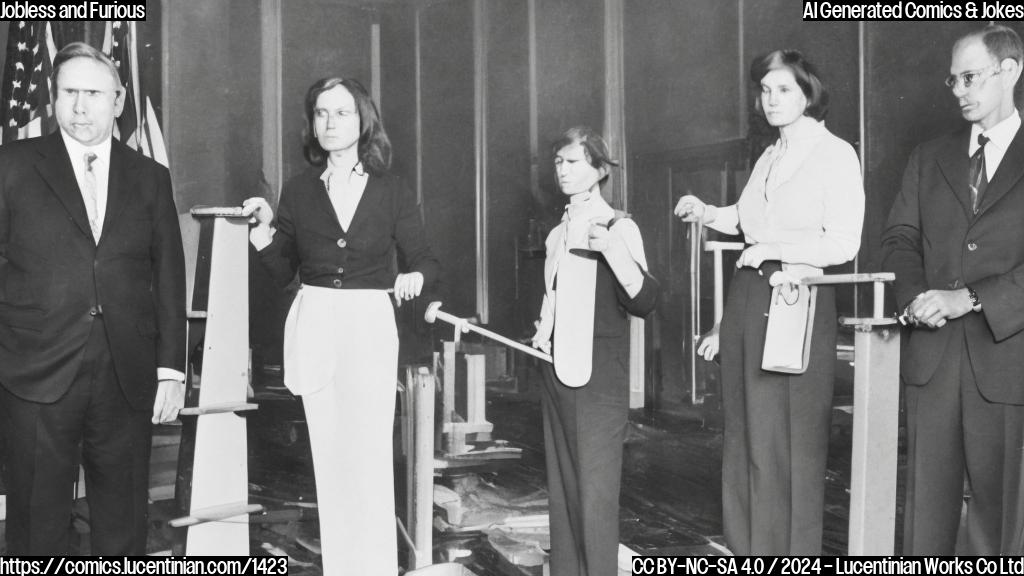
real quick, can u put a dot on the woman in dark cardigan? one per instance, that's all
(338, 225)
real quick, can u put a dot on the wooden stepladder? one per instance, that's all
(218, 492)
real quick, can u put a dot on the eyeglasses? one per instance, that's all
(972, 77)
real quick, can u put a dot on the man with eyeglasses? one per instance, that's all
(955, 239)
(92, 317)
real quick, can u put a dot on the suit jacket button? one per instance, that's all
(342, 243)
(972, 246)
(93, 311)
(341, 270)
(336, 282)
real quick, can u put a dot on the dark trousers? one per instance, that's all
(952, 428)
(91, 424)
(584, 429)
(776, 427)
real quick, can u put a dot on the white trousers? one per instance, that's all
(346, 340)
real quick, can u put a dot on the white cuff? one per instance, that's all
(169, 374)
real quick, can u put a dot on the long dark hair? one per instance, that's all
(374, 146)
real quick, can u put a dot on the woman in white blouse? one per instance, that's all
(801, 211)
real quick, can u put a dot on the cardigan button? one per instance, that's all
(342, 243)
(341, 270)
(336, 282)
(972, 246)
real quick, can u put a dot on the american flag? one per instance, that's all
(137, 126)
(25, 95)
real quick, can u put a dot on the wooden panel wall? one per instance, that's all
(449, 171)
(570, 81)
(508, 165)
(318, 38)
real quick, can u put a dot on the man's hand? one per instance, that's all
(170, 398)
(935, 307)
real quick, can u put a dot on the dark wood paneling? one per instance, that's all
(570, 81)
(199, 99)
(245, 153)
(318, 38)
(449, 171)
(831, 46)
(682, 86)
(508, 162)
(398, 89)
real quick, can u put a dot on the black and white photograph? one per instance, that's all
(511, 287)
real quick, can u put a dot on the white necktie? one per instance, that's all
(89, 194)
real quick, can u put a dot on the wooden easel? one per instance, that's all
(216, 492)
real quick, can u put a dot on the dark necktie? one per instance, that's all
(979, 180)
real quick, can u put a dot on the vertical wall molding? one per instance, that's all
(742, 71)
(375, 71)
(862, 134)
(418, 89)
(615, 100)
(480, 148)
(270, 73)
(165, 75)
(531, 10)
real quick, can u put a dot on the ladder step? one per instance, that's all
(215, 513)
(218, 408)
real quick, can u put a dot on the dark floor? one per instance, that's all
(670, 499)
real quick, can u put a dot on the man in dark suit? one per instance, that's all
(92, 301)
(955, 240)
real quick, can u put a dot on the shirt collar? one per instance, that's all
(77, 150)
(1000, 135)
(331, 169)
(805, 128)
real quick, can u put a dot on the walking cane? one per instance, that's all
(434, 313)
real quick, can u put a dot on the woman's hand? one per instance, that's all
(258, 210)
(601, 239)
(408, 286)
(693, 209)
(757, 254)
(708, 347)
(261, 214)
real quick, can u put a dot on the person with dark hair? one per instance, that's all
(339, 224)
(92, 317)
(595, 277)
(954, 241)
(801, 211)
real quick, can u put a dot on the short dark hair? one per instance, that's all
(593, 144)
(83, 50)
(374, 145)
(806, 78)
(1001, 42)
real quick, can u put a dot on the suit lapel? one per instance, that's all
(1010, 171)
(121, 181)
(954, 165)
(55, 169)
